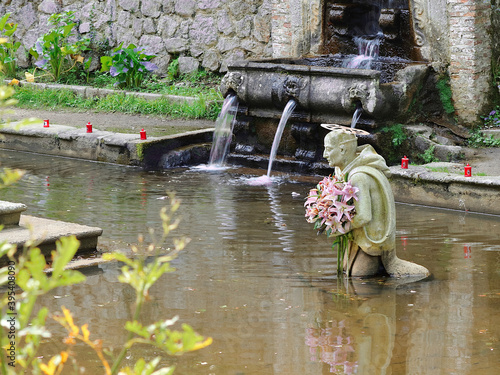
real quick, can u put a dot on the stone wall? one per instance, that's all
(206, 32)
(470, 57)
(495, 31)
(460, 34)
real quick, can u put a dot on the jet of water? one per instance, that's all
(356, 116)
(287, 112)
(223, 131)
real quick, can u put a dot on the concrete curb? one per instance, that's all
(105, 146)
(417, 185)
(90, 92)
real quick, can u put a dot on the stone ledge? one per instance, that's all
(46, 232)
(495, 133)
(417, 185)
(10, 213)
(118, 148)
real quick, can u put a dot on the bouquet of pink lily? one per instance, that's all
(330, 206)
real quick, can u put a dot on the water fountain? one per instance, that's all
(371, 64)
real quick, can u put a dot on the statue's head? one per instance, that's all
(340, 148)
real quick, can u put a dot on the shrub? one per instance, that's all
(54, 52)
(8, 49)
(129, 66)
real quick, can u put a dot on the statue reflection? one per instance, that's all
(355, 332)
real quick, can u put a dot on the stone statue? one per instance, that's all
(374, 224)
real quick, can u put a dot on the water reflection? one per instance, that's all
(259, 281)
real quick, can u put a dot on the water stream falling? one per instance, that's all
(368, 51)
(287, 112)
(223, 131)
(356, 116)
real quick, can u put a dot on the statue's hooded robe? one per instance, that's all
(379, 234)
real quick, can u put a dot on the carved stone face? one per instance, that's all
(340, 148)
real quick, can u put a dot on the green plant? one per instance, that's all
(54, 52)
(428, 155)
(495, 67)
(398, 134)
(173, 69)
(129, 65)
(493, 118)
(8, 49)
(478, 139)
(445, 94)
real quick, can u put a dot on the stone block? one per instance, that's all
(162, 63)
(154, 44)
(84, 27)
(151, 8)
(131, 5)
(168, 6)
(227, 44)
(185, 7)
(244, 27)
(203, 31)
(10, 213)
(224, 24)
(27, 16)
(188, 65)
(149, 26)
(253, 46)
(208, 4)
(176, 45)
(167, 26)
(49, 7)
(211, 60)
(495, 133)
(137, 24)
(235, 55)
(262, 28)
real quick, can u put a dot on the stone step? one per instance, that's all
(495, 133)
(45, 233)
(10, 213)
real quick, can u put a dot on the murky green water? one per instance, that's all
(259, 281)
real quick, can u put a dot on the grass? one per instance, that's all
(194, 84)
(33, 98)
(438, 169)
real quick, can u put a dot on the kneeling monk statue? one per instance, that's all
(373, 226)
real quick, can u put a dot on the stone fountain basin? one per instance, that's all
(324, 93)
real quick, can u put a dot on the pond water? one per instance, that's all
(257, 279)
